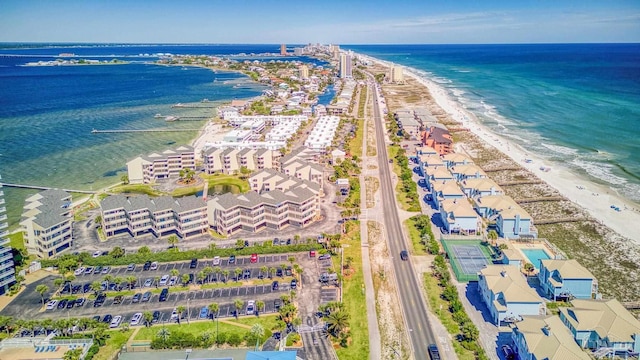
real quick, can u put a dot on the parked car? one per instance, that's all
(312, 253)
(404, 255)
(275, 285)
(131, 267)
(52, 304)
(135, 319)
(204, 313)
(97, 269)
(136, 298)
(107, 318)
(156, 316)
(96, 254)
(193, 264)
(232, 259)
(173, 280)
(116, 321)
(106, 269)
(246, 274)
(294, 283)
(254, 258)
(80, 302)
(276, 304)
(86, 288)
(279, 272)
(146, 266)
(324, 257)
(70, 303)
(163, 295)
(118, 299)
(148, 282)
(62, 304)
(79, 271)
(216, 260)
(251, 307)
(163, 280)
(88, 270)
(174, 315)
(146, 296)
(154, 266)
(99, 300)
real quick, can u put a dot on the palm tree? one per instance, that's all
(41, 289)
(272, 271)
(337, 322)
(207, 271)
(237, 272)
(148, 318)
(156, 280)
(117, 252)
(131, 280)
(174, 272)
(73, 354)
(58, 282)
(200, 276)
(288, 313)
(163, 334)
(96, 286)
(217, 271)
(173, 241)
(258, 332)
(493, 236)
(118, 280)
(263, 270)
(184, 279)
(226, 273)
(291, 259)
(259, 306)
(180, 309)
(108, 279)
(214, 308)
(528, 267)
(239, 304)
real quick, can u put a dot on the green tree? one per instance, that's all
(117, 252)
(263, 270)
(41, 289)
(226, 273)
(180, 309)
(493, 236)
(214, 308)
(257, 331)
(58, 282)
(469, 331)
(528, 267)
(259, 306)
(239, 304)
(237, 272)
(287, 313)
(124, 179)
(337, 322)
(144, 250)
(239, 244)
(131, 280)
(184, 279)
(148, 318)
(173, 241)
(96, 286)
(73, 354)
(174, 272)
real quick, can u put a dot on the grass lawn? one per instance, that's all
(136, 189)
(354, 298)
(441, 308)
(355, 144)
(117, 338)
(200, 326)
(418, 248)
(401, 196)
(16, 241)
(231, 180)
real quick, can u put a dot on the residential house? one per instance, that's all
(545, 338)
(454, 159)
(603, 326)
(442, 190)
(515, 222)
(161, 216)
(566, 279)
(507, 294)
(512, 257)
(232, 160)
(467, 171)
(47, 223)
(439, 139)
(458, 216)
(161, 166)
(337, 156)
(480, 187)
(270, 179)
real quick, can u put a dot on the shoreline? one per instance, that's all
(596, 199)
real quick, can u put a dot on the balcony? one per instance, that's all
(4, 233)
(4, 241)
(3, 209)
(7, 256)
(1, 199)
(3, 225)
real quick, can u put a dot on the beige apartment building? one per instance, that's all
(161, 166)
(161, 216)
(47, 223)
(230, 161)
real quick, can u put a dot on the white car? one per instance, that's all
(173, 280)
(216, 260)
(148, 282)
(135, 320)
(52, 304)
(174, 314)
(154, 266)
(251, 307)
(163, 280)
(79, 271)
(115, 322)
(96, 254)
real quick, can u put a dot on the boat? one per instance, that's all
(205, 100)
(171, 118)
(157, 116)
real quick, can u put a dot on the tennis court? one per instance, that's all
(467, 258)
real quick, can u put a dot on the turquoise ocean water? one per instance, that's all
(575, 104)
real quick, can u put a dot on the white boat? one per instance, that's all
(157, 116)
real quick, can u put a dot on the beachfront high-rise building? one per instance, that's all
(283, 49)
(298, 51)
(335, 51)
(47, 223)
(396, 75)
(304, 72)
(7, 270)
(345, 66)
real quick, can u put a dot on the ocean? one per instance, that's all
(575, 104)
(47, 113)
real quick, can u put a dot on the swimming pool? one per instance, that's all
(535, 255)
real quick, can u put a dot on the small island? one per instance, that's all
(74, 62)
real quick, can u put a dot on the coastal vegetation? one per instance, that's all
(234, 183)
(406, 188)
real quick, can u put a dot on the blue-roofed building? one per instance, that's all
(566, 279)
(271, 355)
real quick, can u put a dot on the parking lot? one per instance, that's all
(258, 286)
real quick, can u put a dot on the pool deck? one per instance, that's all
(517, 247)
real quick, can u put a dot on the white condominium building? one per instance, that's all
(231, 160)
(47, 223)
(322, 134)
(7, 270)
(161, 216)
(161, 166)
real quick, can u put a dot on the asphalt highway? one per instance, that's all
(409, 285)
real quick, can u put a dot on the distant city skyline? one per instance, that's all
(330, 21)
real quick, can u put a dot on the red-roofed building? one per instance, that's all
(439, 139)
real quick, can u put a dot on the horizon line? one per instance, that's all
(312, 43)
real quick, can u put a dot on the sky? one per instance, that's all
(328, 21)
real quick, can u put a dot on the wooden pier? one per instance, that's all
(94, 131)
(36, 187)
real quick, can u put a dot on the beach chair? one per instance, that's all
(38, 349)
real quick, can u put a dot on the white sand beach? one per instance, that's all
(595, 198)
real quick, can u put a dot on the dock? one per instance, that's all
(190, 106)
(94, 131)
(36, 187)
